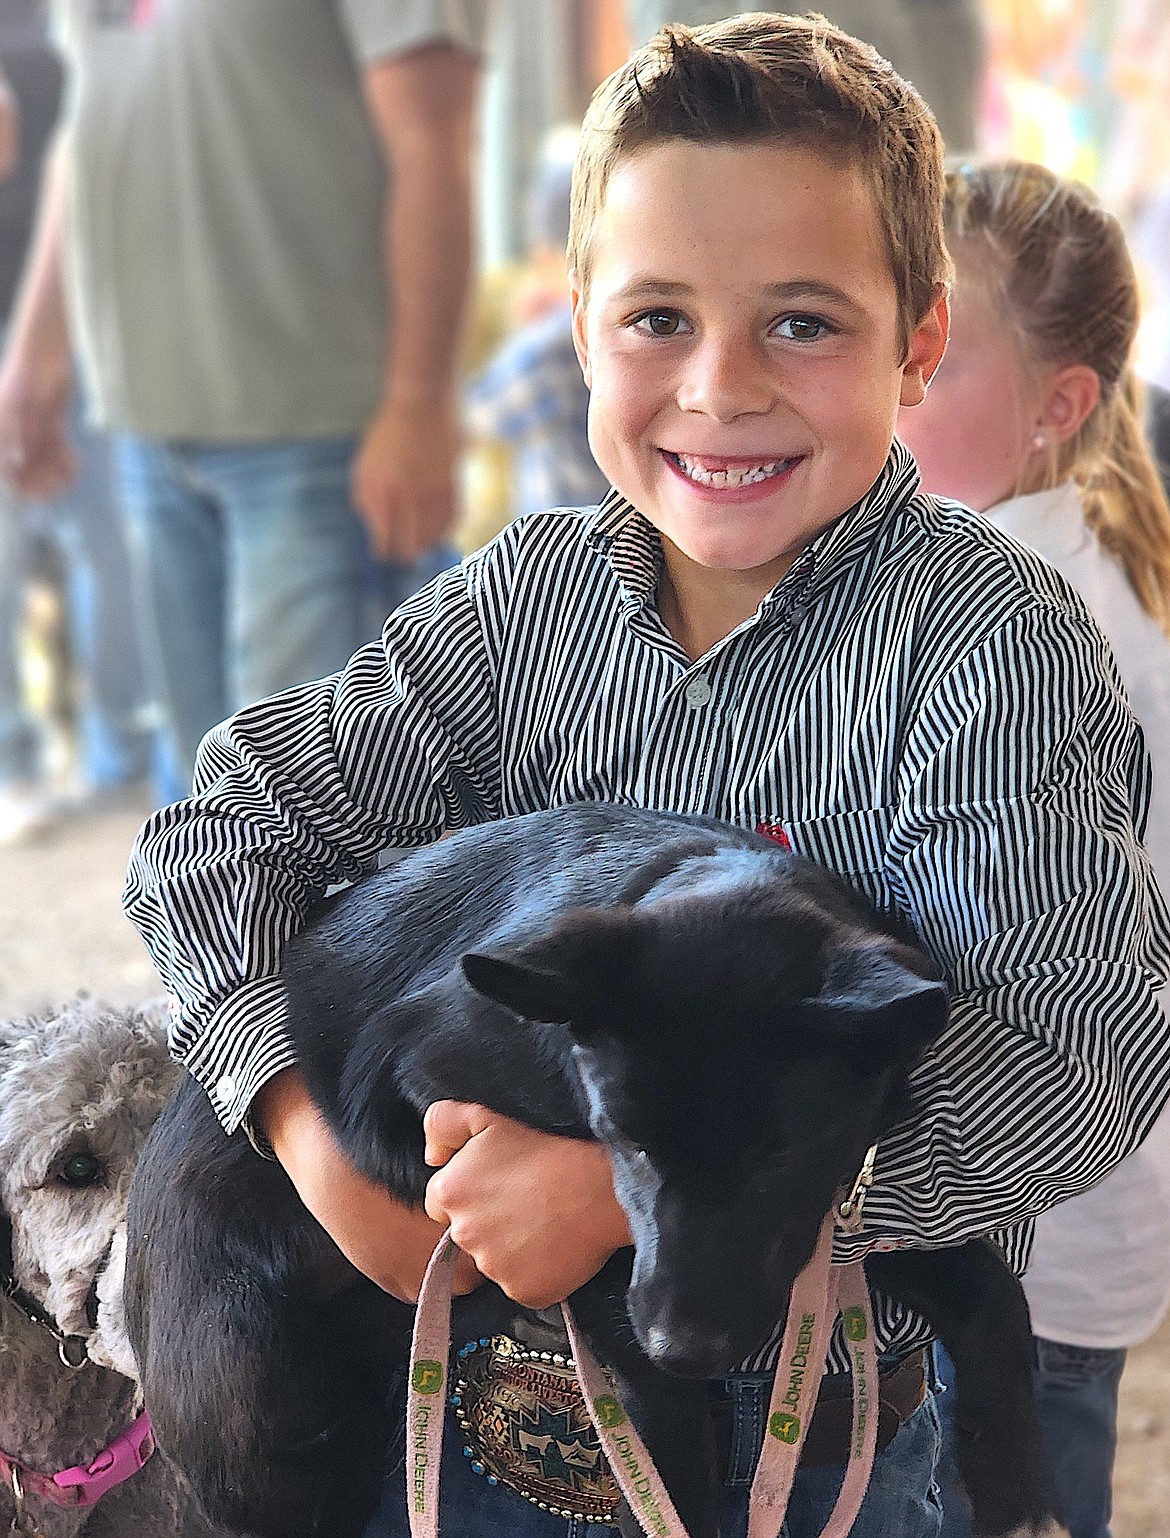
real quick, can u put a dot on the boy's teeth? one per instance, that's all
(732, 475)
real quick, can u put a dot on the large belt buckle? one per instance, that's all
(525, 1426)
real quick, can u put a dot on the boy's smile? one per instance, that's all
(740, 339)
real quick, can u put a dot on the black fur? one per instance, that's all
(733, 1022)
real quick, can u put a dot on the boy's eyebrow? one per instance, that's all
(787, 292)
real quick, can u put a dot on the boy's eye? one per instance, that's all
(803, 328)
(660, 322)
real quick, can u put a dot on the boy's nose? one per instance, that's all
(727, 379)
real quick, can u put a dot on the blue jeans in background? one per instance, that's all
(116, 744)
(254, 573)
(1076, 1398)
(902, 1500)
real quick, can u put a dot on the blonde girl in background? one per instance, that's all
(1034, 418)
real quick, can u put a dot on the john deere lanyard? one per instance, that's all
(819, 1293)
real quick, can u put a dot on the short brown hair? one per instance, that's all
(798, 79)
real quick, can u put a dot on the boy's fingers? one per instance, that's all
(448, 1125)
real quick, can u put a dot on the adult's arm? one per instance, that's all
(36, 372)
(9, 128)
(405, 475)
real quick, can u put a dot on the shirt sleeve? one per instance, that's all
(299, 793)
(1015, 855)
(380, 29)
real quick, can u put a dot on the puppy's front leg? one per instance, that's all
(672, 1415)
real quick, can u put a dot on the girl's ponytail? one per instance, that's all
(1125, 501)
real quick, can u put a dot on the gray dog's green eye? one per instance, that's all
(82, 1170)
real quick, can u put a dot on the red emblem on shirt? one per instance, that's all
(776, 833)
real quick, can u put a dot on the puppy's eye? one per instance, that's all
(80, 1170)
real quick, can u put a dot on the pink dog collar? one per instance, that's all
(84, 1484)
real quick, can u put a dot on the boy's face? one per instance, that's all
(740, 340)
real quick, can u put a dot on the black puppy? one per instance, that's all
(735, 1024)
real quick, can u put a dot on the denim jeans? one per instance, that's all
(902, 1498)
(254, 573)
(1076, 1397)
(84, 524)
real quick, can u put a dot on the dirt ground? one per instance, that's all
(61, 929)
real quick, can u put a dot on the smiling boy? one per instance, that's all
(764, 622)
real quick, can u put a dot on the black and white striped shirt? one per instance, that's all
(920, 703)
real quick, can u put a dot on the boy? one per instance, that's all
(763, 622)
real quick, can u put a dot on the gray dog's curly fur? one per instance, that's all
(86, 1081)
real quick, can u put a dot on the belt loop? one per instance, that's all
(749, 1412)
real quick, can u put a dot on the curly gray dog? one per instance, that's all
(79, 1090)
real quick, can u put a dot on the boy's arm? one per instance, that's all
(301, 792)
(386, 1240)
(1014, 854)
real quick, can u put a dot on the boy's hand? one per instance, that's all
(386, 1240)
(536, 1213)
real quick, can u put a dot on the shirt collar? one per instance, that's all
(631, 545)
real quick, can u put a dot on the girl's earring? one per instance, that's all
(1039, 441)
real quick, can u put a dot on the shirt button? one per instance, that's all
(226, 1088)
(697, 692)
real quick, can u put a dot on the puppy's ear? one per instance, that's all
(562, 974)
(876, 995)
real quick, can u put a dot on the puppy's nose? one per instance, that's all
(688, 1352)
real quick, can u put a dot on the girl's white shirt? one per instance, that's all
(1099, 1274)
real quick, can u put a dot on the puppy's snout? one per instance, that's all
(688, 1352)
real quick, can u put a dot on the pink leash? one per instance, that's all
(819, 1293)
(83, 1484)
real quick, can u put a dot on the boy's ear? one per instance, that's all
(928, 342)
(1070, 397)
(557, 976)
(580, 328)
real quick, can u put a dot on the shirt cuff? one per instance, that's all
(243, 1045)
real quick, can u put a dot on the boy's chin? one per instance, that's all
(735, 560)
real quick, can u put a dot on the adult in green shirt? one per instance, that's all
(258, 225)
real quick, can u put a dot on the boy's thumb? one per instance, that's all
(448, 1125)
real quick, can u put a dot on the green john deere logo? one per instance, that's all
(855, 1325)
(427, 1377)
(609, 1413)
(785, 1427)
